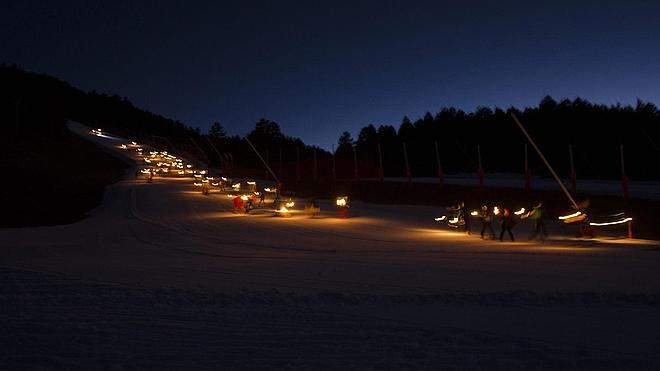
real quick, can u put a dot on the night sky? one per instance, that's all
(320, 68)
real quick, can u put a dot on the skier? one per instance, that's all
(507, 223)
(484, 217)
(250, 202)
(312, 208)
(462, 213)
(538, 217)
(238, 203)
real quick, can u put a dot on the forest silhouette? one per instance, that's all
(38, 105)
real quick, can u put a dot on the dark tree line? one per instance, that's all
(594, 131)
(38, 105)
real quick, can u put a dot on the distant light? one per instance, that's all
(624, 220)
(564, 217)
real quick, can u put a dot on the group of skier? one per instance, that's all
(505, 218)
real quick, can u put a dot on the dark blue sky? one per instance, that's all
(319, 68)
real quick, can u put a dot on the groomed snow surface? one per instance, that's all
(160, 276)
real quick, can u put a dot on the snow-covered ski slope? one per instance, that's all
(162, 276)
(642, 189)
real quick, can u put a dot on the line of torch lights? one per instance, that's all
(522, 213)
(165, 161)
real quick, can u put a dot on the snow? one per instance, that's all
(160, 276)
(643, 189)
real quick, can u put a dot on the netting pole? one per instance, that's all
(441, 178)
(552, 171)
(262, 160)
(528, 174)
(624, 177)
(480, 170)
(381, 172)
(573, 175)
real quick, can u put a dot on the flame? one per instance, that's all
(215, 184)
(188, 166)
(252, 183)
(624, 220)
(496, 210)
(237, 185)
(181, 172)
(520, 212)
(454, 220)
(244, 197)
(133, 143)
(440, 218)
(123, 146)
(197, 184)
(224, 179)
(564, 217)
(342, 201)
(282, 210)
(474, 213)
(289, 204)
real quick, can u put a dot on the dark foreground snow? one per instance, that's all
(162, 277)
(51, 322)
